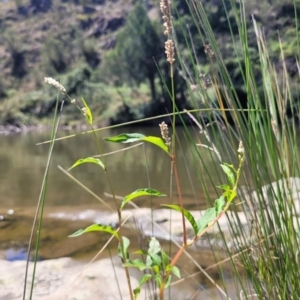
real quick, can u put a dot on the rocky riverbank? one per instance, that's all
(65, 278)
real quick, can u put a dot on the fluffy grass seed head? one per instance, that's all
(165, 7)
(169, 46)
(84, 111)
(241, 150)
(56, 84)
(209, 52)
(165, 133)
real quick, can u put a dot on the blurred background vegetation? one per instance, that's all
(112, 54)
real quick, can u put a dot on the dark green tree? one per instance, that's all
(138, 49)
(16, 50)
(55, 57)
(40, 5)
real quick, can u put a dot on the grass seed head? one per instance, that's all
(56, 84)
(169, 46)
(167, 18)
(165, 133)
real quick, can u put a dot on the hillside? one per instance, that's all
(62, 39)
(74, 41)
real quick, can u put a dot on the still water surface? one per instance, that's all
(22, 165)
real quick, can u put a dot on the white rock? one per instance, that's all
(65, 279)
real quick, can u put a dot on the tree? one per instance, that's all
(138, 47)
(17, 59)
(40, 5)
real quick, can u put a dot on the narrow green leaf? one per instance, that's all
(230, 166)
(168, 282)
(209, 216)
(141, 252)
(87, 112)
(96, 227)
(156, 141)
(176, 271)
(158, 279)
(140, 193)
(126, 243)
(154, 249)
(186, 213)
(229, 193)
(165, 258)
(92, 160)
(144, 279)
(156, 269)
(224, 187)
(219, 204)
(155, 260)
(135, 137)
(229, 173)
(231, 196)
(125, 138)
(154, 246)
(136, 263)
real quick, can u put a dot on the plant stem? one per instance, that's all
(118, 211)
(180, 201)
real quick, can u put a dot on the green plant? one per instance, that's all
(157, 260)
(267, 244)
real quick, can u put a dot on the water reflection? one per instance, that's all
(22, 164)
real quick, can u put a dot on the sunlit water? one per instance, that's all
(22, 166)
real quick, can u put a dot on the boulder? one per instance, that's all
(66, 279)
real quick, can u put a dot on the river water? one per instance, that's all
(22, 166)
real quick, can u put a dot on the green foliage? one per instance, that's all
(135, 137)
(40, 5)
(138, 47)
(17, 61)
(55, 56)
(93, 160)
(87, 112)
(96, 227)
(157, 262)
(187, 214)
(90, 53)
(272, 263)
(140, 193)
(124, 248)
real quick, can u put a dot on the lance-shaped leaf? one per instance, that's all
(229, 193)
(87, 112)
(186, 213)
(125, 243)
(219, 204)
(92, 160)
(156, 141)
(176, 271)
(137, 263)
(125, 138)
(168, 281)
(209, 216)
(228, 171)
(96, 227)
(142, 280)
(135, 137)
(140, 193)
